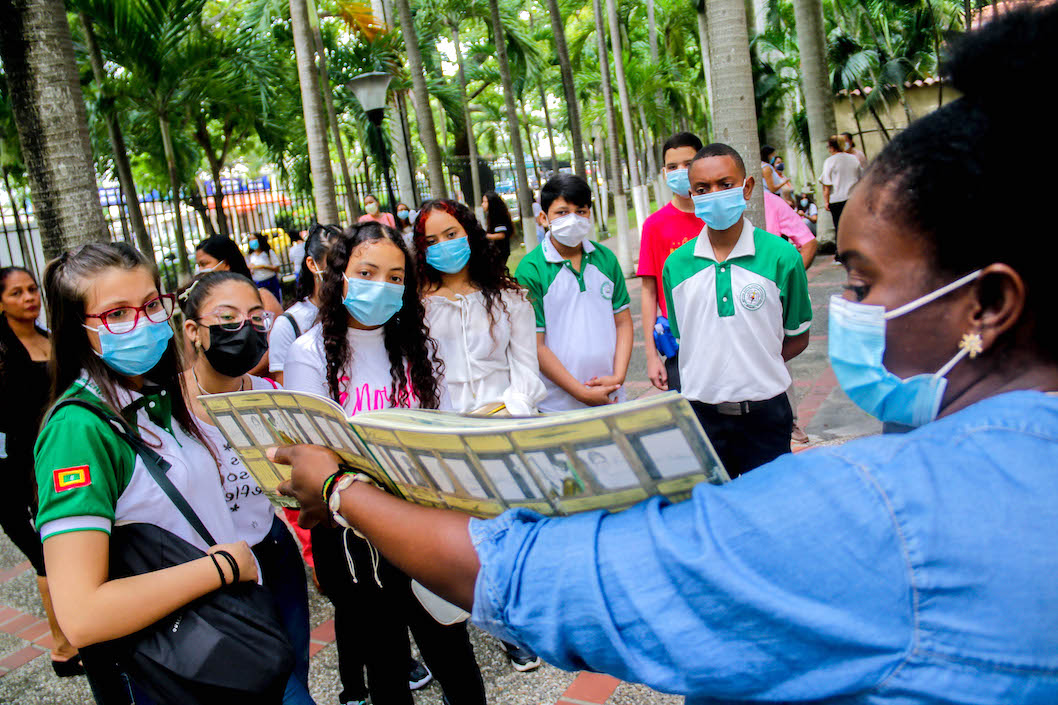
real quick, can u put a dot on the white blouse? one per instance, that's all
(482, 366)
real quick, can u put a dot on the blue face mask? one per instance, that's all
(856, 346)
(135, 352)
(403, 215)
(372, 302)
(720, 209)
(254, 245)
(678, 182)
(449, 256)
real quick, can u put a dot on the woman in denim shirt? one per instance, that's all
(914, 568)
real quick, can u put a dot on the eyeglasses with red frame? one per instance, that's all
(125, 318)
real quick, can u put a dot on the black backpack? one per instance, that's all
(225, 647)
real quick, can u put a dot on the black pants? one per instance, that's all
(371, 627)
(672, 370)
(750, 440)
(835, 212)
(18, 508)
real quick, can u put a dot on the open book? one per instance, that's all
(606, 457)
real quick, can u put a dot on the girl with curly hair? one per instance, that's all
(484, 326)
(371, 350)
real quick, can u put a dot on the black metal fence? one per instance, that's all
(249, 207)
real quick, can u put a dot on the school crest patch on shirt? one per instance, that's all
(752, 296)
(71, 478)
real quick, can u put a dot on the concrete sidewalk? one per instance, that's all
(825, 413)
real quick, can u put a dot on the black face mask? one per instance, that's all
(233, 353)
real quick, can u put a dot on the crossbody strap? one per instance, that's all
(156, 465)
(293, 323)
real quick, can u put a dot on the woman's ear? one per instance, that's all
(1000, 292)
(191, 334)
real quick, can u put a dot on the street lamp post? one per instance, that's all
(370, 90)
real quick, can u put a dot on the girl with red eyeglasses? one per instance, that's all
(113, 348)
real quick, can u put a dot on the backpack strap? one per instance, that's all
(156, 465)
(293, 324)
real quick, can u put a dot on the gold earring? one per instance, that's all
(972, 343)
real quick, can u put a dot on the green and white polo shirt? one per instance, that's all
(88, 479)
(731, 317)
(575, 312)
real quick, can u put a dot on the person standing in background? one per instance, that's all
(264, 266)
(296, 253)
(24, 390)
(841, 171)
(663, 232)
(372, 212)
(850, 147)
(499, 228)
(773, 179)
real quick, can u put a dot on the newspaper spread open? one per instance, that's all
(607, 457)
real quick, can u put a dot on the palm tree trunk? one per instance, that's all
(734, 115)
(472, 140)
(530, 142)
(652, 170)
(624, 257)
(819, 101)
(627, 117)
(421, 98)
(315, 118)
(117, 145)
(174, 186)
(525, 199)
(703, 40)
(558, 29)
(352, 198)
(550, 129)
(48, 107)
(400, 136)
(215, 166)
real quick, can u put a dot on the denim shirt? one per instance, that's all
(919, 568)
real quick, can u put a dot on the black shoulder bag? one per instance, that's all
(225, 647)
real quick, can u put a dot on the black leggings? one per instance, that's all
(18, 510)
(371, 627)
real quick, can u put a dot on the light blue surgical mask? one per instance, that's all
(373, 302)
(720, 209)
(136, 352)
(678, 181)
(449, 256)
(403, 215)
(255, 245)
(856, 344)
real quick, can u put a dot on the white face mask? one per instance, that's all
(571, 229)
(205, 270)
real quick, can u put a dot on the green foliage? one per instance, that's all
(295, 218)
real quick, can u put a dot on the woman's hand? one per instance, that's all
(310, 467)
(240, 551)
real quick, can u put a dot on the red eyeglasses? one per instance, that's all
(124, 318)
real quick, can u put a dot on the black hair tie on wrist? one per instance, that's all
(220, 571)
(234, 565)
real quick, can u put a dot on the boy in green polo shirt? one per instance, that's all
(738, 303)
(583, 324)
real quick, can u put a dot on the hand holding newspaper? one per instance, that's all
(608, 457)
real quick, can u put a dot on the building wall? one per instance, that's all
(920, 99)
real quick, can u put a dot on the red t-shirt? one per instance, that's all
(663, 232)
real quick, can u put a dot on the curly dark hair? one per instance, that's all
(408, 343)
(487, 270)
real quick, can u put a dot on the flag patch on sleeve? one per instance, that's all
(71, 478)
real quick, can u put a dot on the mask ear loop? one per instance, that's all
(933, 296)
